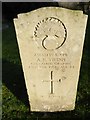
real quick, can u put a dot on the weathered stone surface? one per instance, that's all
(51, 43)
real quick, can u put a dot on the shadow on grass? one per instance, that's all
(13, 78)
(64, 115)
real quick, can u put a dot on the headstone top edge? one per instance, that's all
(49, 8)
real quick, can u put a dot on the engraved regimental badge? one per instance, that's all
(50, 33)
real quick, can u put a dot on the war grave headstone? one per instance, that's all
(50, 41)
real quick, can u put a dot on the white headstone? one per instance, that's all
(51, 43)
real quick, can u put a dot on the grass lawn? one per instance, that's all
(15, 105)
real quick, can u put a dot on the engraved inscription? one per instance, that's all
(51, 61)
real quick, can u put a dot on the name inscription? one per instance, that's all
(51, 61)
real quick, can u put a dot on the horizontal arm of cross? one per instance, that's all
(51, 80)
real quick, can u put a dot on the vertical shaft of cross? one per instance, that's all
(51, 82)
